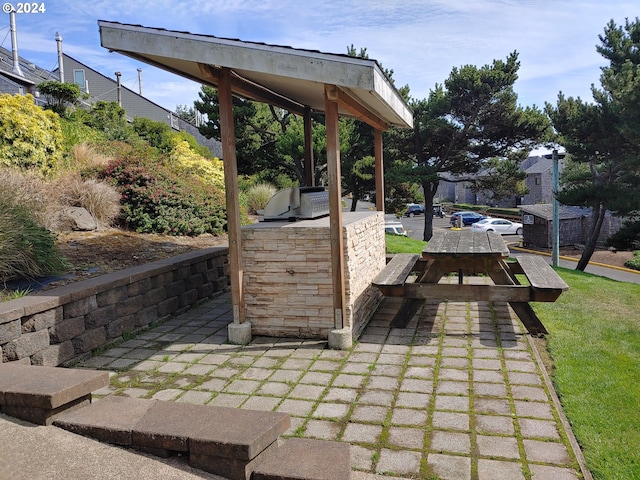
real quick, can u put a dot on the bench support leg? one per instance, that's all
(527, 316)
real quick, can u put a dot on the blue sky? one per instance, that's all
(421, 40)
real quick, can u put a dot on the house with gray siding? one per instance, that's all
(26, 82)
(98, 86)
(539, 180)
(101, 87)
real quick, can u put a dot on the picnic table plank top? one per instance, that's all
(465, 242)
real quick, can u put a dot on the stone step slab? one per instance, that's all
(38, 393)
(109, 419)
(306, 459)
(226, 441)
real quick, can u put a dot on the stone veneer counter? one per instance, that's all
(287, 274)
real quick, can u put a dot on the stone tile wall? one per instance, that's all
(62, 324)
(287, 274)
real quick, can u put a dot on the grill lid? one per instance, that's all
(297, 203)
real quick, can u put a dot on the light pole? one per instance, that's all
(555, 247)
(555, 254)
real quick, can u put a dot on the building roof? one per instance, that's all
(33, 74)
(284, 76)
(545, 210)
(541, 166)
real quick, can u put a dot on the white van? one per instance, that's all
(395, 228)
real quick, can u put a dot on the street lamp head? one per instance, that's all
(557, 154)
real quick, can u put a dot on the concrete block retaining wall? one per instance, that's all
(56, 326)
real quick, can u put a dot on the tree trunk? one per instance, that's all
(430, 189)
(597, 216)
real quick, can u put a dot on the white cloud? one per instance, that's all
(421, 40)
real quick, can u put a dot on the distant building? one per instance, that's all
(98, 86)
(539, 180)
(16, 84)
(574, 225)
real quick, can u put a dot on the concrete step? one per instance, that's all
(38, 394)
(225, 441)
(306, 459)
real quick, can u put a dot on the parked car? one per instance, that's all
(414, 209)
(499, 225)
(468, 218)
(395, 228)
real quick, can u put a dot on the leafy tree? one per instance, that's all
(602, 137)
(247, 131)
(30, 137)
(60, 95)
(464, 123)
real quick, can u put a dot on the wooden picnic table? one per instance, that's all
(466, 253)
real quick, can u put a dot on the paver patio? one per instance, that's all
(457, 394)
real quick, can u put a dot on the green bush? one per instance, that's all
(27, 250)
(259, 195)
(626, 238)
(30, 137)
(75, 132)
(634, 262)
(156, 199)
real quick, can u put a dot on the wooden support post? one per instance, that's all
(335, 211)
(379, 169)
(309, 177)
(227, 135)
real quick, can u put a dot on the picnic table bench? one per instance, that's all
(465, 253)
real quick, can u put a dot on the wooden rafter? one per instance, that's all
(253, 91)
(354, 107)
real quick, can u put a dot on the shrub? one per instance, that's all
(626, 238)
(634, 262)
(259, 195)
(110, 118)
(85, 157)
(27, 250)
(30, 137)
(187, 161)
(158, 134)
(29, 190)
(75, 132)
(156, 199)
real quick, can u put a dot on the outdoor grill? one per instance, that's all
(298, 203)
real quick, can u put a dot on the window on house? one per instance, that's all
(78, 78)
(537, 180)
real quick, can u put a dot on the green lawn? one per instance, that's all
(594, 341)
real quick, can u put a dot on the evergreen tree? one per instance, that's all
(603, 137)
(472, 118)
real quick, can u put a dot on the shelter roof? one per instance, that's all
(283, 76)
(545, 211)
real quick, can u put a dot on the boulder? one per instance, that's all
(76, 218)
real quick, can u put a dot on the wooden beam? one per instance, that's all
(354, 107)
(379, 169)
(250, 90)
(335, 211)
(468, 292)
(228, 138)
(309, 166)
